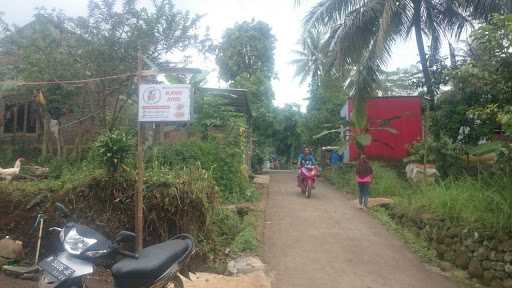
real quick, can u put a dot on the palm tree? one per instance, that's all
(310, 59)
(4, 27)
(362, 32)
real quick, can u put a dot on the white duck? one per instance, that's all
(10, 173)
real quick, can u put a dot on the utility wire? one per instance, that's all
(22, 83)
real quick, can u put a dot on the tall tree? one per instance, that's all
(105, 43)
(310, 59)
(246, 60)
(289, 132)
(115, 31)
(247, 48)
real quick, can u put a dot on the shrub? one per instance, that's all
(225, 162)
(114, 149)
(446, 155)
(227, 225)
(246, 241)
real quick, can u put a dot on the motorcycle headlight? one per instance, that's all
(76, 244)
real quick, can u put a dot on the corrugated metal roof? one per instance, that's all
(237, 98)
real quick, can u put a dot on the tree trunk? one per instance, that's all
(421, 51)
(426, 75)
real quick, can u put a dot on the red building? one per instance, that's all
(401, 113)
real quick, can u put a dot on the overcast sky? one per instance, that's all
(282, 15)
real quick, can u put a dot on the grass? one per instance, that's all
(465, 201)
(480, 203)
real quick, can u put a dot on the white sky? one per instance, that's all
(282, 15)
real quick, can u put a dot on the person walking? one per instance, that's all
(364, 177)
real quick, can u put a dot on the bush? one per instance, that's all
(223, 161)
(246, 241)
(446, 155)
(115, 149)
(227, 225)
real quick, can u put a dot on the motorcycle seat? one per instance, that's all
(152, 263)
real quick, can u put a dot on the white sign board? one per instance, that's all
(165, 103)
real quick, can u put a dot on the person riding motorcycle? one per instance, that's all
(305, 159)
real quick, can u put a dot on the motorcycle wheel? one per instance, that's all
(308, 190)
(176, 282)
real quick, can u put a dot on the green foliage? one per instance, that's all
(105, 43)
(223, 161)
(288, 132)
(246, 241)
(324, 106)
(465, 201)
(238, 232)
(176, 201)
(478, 99)
(246, 61)
(361, 38)
(311, 59)
(483, 203)
(215, 113)
(446, 155)
(115, 150)
(400, 82)
(227, 225)
(246, 49)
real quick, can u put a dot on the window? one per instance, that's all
(20, 118)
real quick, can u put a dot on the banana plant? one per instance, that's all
(358, 131)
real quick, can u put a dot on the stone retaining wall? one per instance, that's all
(484, 255)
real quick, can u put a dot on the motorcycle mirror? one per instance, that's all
(124, 236)
(62, 211)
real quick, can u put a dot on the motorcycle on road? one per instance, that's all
(307, 176)
(84, 248)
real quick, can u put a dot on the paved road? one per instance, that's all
(325, 242)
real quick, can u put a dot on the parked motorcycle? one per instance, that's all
(307, 179)
(84, 248)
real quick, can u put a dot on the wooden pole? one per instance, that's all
(139, 196)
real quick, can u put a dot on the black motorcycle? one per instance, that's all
(84, 248)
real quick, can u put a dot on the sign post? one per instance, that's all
(157, 103)
(139, 195)
(165, 103)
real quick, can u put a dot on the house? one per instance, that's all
(401, 114)
(24, 126)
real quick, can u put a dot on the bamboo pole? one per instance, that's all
(139, 195)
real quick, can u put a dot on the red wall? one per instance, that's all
(386, 145)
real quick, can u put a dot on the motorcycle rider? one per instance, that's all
(305, 159)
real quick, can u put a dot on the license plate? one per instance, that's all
(56, 268)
